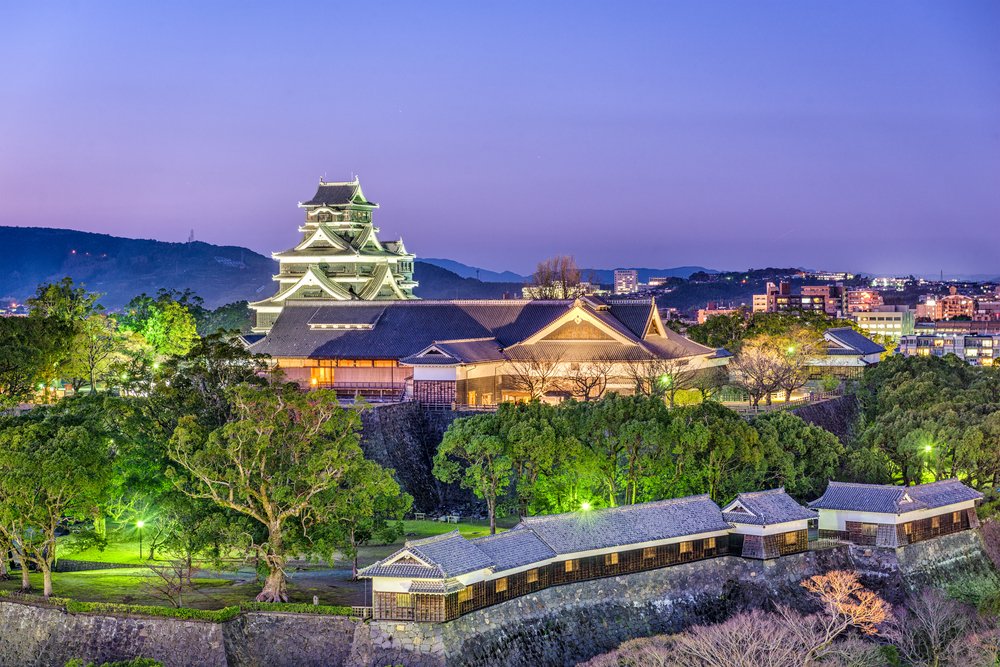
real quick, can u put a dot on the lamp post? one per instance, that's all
(139, 524)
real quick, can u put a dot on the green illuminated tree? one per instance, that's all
(474, 453)
(54, 466)
(272, 462)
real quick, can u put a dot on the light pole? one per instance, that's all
(139, 524)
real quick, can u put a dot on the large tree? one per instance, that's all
(273, 462)
(474, 453)
(54, 465)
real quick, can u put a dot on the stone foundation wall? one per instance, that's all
(550, 628)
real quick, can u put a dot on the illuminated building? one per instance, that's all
(891, 321)
(626, 281)
(339, 258)
(947, 307)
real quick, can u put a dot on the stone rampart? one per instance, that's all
(553, 627)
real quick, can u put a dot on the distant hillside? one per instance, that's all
(439, 283)
(607, 276)
(601, 276)
(466, 271)
(121, 268)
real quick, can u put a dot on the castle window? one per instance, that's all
(403, 600)
(791, 539)
(956, 517)
(709, 543)
(571, 565)
(611, 559)
(649, 552)
(908, 528)
(465, 594)
(935, 522)
(532, 576)
(686, 547)
(500, 585)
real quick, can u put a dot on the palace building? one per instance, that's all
(340, 257)
(440, 578)
(480, 352)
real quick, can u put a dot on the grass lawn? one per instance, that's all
(330, 582)
(115, 552)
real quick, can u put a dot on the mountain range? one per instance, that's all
(601, 276)
(121, 268)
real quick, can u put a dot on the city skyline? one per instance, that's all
(727, 136)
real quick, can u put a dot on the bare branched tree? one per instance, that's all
(932, 629)
(757, 369)
(662, 377)
(556, 278)
(588, 381)
(172, 581)
(533, 372)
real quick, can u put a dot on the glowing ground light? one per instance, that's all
(585, 506)
(928, 449)
(140, 523)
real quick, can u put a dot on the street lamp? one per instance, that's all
(139, 524)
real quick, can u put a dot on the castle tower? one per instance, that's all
(340, 256)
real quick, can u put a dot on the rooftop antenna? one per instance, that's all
(191, 237)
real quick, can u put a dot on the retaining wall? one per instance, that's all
(554, 627)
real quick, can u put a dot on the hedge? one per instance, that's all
(184, 613)
(298, 608)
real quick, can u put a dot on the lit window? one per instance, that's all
(611, 559)
(402, 599)
(710, 543)
(686, 547)
(465, 594)
(956, 517)
(791, 539)
(649, 552)
(532, 576)
(500, 585)
(935, 522)
(570, 565)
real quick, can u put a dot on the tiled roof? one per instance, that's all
(403, 571)
(855, 342)
(767, 508)
(471, 351)
(334, 194)
(514, 548)
(465, 330)
(451, 552)
(537, 539)
(628, 524)
(887, 499)
(945, 492)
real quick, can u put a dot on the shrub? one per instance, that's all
(297, 608)
(134, 662)
(183, 613)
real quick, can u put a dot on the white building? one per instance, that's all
(626, 281)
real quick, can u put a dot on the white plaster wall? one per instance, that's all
(837, 519)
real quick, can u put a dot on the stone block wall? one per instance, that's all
(558, 626)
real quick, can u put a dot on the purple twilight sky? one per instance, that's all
(855, 135)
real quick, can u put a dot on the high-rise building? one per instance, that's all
(779, 298)
(947, 307)
(861, 300)
(340, 257)
(626, 281)
(892, 321)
